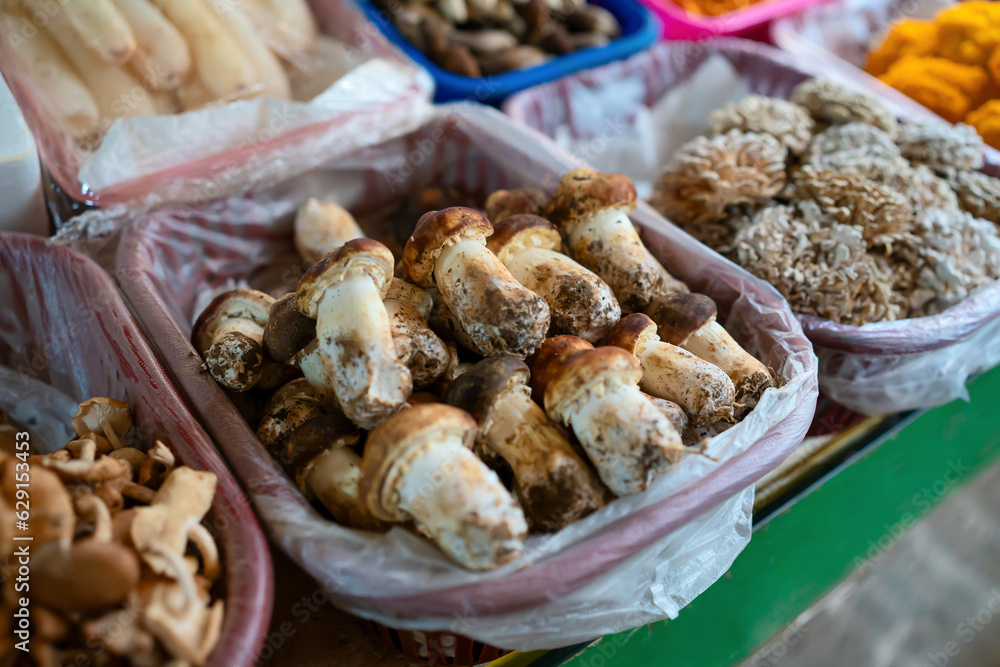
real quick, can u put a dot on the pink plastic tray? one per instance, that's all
(749, 22)
(63, 322)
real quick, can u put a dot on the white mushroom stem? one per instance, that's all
(334, 477)
(627, 438)
(459, 503)
(496, 311)
(310, 362)
(423, 352)
(714, 344)
(703, 389)
(555, 486)
(356, 348)
(205, 544)
(581, 303)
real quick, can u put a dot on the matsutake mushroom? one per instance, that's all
(502, 204)
(554, 485)
(500, 316)
(229, 337)
(321, 227)
(629, 441)
(418, 465)
(581, 304)
(703, 389)
(344, 293)
(591, 211)
(417, 346)
(103, 416)
(688, 321)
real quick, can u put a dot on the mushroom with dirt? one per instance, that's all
(591, 211)
(554, 485)
(344, 293)
(418, 465)
(500, 316)
(229, 337)
(689, 321)
(596, 393)
(417, 346)
(502, 204)
(581, 304)
(703, 389)
(322, 226)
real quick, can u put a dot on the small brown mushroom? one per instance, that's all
(418, 464)
(229, 337)
(287, 330)
(581, 304)
(549, 358)
(484, 41)
(321, 227)
(458, 59)
(689, 321)
(503, 204)
(344, 293)
(448, 248)
(703, 389)
(520, 57)
(417, 346)
(629, 441)
(103, 415)
(52, 515)
(554, 485)
(591, 210)
(285, 413)
(593, 19)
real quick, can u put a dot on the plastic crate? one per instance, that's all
(639, 30)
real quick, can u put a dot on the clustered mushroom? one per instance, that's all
(873, 220)
(122, 565)
(482, 37)
(460, 394)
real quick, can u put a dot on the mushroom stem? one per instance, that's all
(423, 352)
(335, 476)
(203, 541)
(580, 302)
(703, 389)
(714, 344)
(496, 311)
(110, 434)
(554, 485)
(235, 358)
(357, 352)
(458, 502)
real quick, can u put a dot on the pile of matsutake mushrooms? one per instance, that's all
(495, 327)
(113, 580)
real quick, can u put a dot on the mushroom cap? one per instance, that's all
(677, 315)
(631, 332)
(92, 413)
(414, 297)
(580, 372)
(476, 390)
(90, 575)
(297, 387)
(550, 356)
(329, 431)
(583, 191)
(285, 417)
(244, 303)
(433, 232)
(523, 231)
(287, 330)
(409, 429)
(504, 203)
(365, 256)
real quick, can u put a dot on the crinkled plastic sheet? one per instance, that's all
(647, 555)
(66, 336)
(367, 92)
(875, 368)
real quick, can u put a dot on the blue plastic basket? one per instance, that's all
(639, 29)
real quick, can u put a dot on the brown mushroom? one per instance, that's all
(581, 304)
(321, 227)
(549, 358)
(448, 248)
(344, 293)
(703, 389)
(52, 515)
(287, 330)
(103, 415)
(283, 414)
(229, 337)
(418, 465)
(591, 211)
(502, 204)
(671, 411)
(629, 441)
(417, 346)
(555, 487)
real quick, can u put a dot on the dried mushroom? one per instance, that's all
(835, 104)
(978, 194)
(785, 121)
(923, 188)
(943, 148)
(859, 148)
(707, 176)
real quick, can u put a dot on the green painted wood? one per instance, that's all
(845, 523)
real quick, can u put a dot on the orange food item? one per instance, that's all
(948, 89)
(909, 37)
(713, 7)
(986, 120)
(968, 32)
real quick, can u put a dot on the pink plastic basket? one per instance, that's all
(63, 322)
(751, 22)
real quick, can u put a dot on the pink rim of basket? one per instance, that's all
(681, 24)
(249, 576)
(57, 156)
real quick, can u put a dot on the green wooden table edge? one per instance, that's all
(792, 560)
